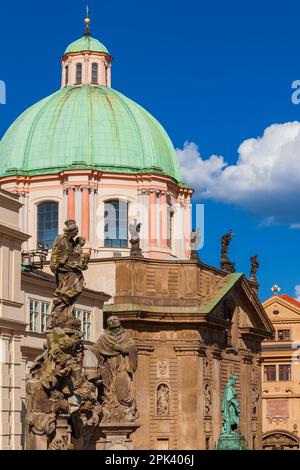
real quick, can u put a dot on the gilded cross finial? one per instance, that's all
(87, 21)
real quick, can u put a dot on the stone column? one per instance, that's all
(109, 76)
(190, 357)
(71, 202)
(216, 395)
(163, 219)
(188, 229)
(152, 218)
(85, 212)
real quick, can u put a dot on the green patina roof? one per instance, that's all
(86, 43)
(208, 304)
(87, 127)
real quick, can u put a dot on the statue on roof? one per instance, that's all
(135, 229)
(254, 267)
(226, 264)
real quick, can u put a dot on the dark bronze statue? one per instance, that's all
(226, 264)
(117, 357)
(254, 267)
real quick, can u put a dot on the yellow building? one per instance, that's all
(281, 374)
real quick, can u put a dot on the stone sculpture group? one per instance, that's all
(71, 388)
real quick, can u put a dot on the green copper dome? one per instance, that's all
(87, 127)
(86, 43)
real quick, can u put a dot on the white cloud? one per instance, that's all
(297, 291)
(264, 180)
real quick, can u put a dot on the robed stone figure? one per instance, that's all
(117, 357)
(67, 263)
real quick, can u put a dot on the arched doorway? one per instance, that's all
(280, 440)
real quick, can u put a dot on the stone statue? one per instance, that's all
(254, 267)
(117, 357)
(62, 399)
(230, 408)
(225, 241)
(67, 263)
(226, 264)
(163, 397)
(134, 230)
(195, 239)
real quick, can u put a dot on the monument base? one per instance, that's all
(234, 441)
(116, 436)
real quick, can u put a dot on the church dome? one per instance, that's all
(86, 43)
(87, 127)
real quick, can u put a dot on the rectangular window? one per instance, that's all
(85, 317)
(285, 372)
(38, 315)
(78, 74)
(116, 224)
(95, 73)
(283, 335)
(270, 373)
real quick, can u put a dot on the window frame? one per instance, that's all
(54, 219)
(284, 335)
(78, 73)
(41, 316)
(284, 372)
(93, 72)
(117, 242)
(86, 326)
(268, 375)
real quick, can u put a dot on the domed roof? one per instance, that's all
(86, 43)
(87, 127)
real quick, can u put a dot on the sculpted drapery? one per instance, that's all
(67, 263)
(230, 408)
(117, 356)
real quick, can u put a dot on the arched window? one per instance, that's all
(47, 222)
(78, 74)
(67, 74)
(94, 73)
(116, 224)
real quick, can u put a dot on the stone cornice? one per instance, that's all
(11, 324)
(190, 349)
(12, 232)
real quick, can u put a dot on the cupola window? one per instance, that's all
(94, 73)
(67, 74)
(47, 223)
(78, 74)
(116, 224)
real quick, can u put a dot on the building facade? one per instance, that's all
(281, 374)
(89, 153)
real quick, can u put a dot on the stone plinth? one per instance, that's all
(116, 436)
(234, 441)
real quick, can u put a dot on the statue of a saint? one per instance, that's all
(230, 408)
(226, 239)
(163, 400)
(195, 240)
(134, 230)
(67, 263)
(254, 267)
(117, 356)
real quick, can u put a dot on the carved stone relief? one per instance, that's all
(162, 368)
(163, 400)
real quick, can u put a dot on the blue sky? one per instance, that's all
(213, 73)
